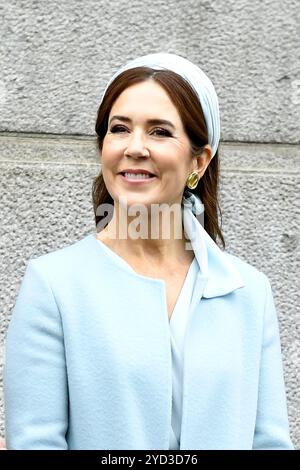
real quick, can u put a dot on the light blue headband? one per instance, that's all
(199, 81)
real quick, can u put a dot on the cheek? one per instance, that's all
(175, 165)
(110, 155)
(168, 157)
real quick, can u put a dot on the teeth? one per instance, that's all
(137, 176)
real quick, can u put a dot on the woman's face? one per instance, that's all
(138, 141)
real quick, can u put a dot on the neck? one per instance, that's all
(151, 236)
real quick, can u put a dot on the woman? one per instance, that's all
(145, 334)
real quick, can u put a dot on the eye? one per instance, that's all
(117, 128)
(158, 131)
(163, 132)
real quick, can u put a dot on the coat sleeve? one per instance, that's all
(35, 380)
(272, 428)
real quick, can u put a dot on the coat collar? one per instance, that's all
(222, 277)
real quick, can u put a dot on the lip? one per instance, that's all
(137, 171)
(137, 181)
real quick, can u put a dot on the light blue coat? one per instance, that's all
(88, 358)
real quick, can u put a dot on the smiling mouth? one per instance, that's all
(137, 177)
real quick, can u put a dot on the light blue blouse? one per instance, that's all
(178, 324)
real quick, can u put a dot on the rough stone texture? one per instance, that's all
(46, 204)
(57, 56)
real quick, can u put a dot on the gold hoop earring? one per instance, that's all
(193, 180)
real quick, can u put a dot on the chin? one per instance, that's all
(134, 199)
(131, 201)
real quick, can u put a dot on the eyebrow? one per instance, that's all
(149, 121)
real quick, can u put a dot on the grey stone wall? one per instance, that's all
(55, 60)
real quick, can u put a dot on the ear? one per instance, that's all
(201, 161)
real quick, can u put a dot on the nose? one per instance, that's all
(136, 146)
